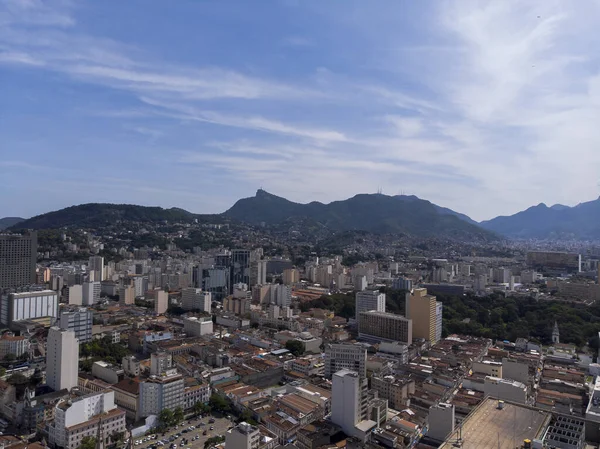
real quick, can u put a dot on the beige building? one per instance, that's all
(127, 295)
(489, 368)
(382, 326)
(421, 309)
(396, 390)
(291, 276)
(161, 302)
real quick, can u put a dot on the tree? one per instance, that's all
(219, 403)
(213, 441)
(88, 443)
(166, 417)
(117, 436)
(10, 357)
(200, 408)
(2, 371)
(24, 356)
(178, 415)
(296, 347)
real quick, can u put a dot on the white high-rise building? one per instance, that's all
(196, 299)
(243, 436)
(345, 356)
(91, 293)
(369, 300)
(161, 392)
(281, 295)
(75, 295)
(62, 359)
(348, 400)
(161, 302)
(96, 266)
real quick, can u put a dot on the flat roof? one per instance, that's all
(489, 427)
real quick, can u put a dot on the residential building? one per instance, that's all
(127, 397)
(11, 344)
(197, 392)
(380, 326)
(75, 295)
(396, 390)
(107, 372)
(127, 295)
(369, 300)
(441, 421)
(240, 267)
(96, 268)
(258, 272)
(349, 405)
(198, 326)
(161, 302)
(18, 255)
(159, 392)
(345, 356)
(91, 293)
(131, 365)
(243, 436)
(281, 295)
(291, 276)
(422, 309)
(196, 299)
(80, 321)
(62, 359)
(86, 416)
(28, 305)
(401, 283)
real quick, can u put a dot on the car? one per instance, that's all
(202, 424)
(212, 427)
(185, 431)
(182, 444)
(211, 420)
(204, 433)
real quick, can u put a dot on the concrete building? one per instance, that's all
(401, 283)
(196, 299)
(243, 436)
(75, 295)
(62, 359)
(281, 295)
(258, 272)
(422, 309)
(505, 389)
(131, 365)
(80, 321)
(345, 356)
(86, 416)
(18, 256)
(107, 372)
(240, 266)
(441, 421)
(198, 326)
(161, 302)
(28, 305)
(161, 392)
(96, 268)
(369, 300)
(380, 326)
(11, 344)
(395, 390)
(291, 276)
(488, 368)
(91, 293)
(127, 295)
(349, 405)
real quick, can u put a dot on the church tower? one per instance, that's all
(555, 333)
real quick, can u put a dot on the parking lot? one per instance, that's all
(170, 437)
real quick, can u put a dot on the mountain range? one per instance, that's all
(367, 212)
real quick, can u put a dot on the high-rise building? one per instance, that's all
(258, 272)
(240, 267)
(401, 283)
(28, 305)
(291, 276)
(96, 266)
(348, 400)
(381, 326)
(369, 300)
(75, 295)
(62, 359)
(196, 299)
(127, 295)
(18, 255)
(161, 392)
(160, 363)
(345, 356)
(161, 302)
(11, 344)
(422, 309)
(281, 295)
(439, 309)
(78, 320)
(91, 293)
(243, 436)
(194, 326)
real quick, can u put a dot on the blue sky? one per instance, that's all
(483, 107)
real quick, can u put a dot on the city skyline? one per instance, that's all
(469, 105)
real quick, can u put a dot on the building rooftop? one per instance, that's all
(490, 427)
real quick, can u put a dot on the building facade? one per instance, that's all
(345, 356)
(422, 309)
(369, 300)
(380, 326)
(28, 305)
(18, 255)
(196, 299)
(62, 359)
(80, 321)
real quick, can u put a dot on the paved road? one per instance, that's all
(220, 428)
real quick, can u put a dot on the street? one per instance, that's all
(220, 428)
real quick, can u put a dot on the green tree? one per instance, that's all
(213, 441)
(2, 371)
(296, 347)
(117, 436)
(166, 417)
(10, 357)
(178, 415)
(219, 403)
(88, 443)
(200, 408)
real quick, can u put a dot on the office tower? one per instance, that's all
(281, 295)
(75, 295)
(369, 300)
(402, 284)
(441, 421)
(161, 303)
(360, 282)
(91, 293)
(28, 305)
(422, 309)
(62, 359)
(216, 281)
(78, 320)
(240, 267)
(345, 356)
(243, 436)
(127, 295)
(96, 266)
(291, 276)
(161, 392)
(258, 272)
(439, 308)
(196, 327)
(348, 400)
(18, 254)
(196, 299)
(380, 326)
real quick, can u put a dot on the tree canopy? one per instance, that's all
(296, 347)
